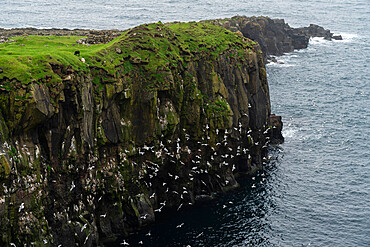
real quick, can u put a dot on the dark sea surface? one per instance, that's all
(316, 189)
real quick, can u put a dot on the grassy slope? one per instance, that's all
(156, 47)
(28, 58)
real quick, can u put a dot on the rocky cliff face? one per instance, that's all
(164, 116)
(274, 35)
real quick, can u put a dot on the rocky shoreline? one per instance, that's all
(274, 35)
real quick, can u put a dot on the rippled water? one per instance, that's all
(324, 92)
(316, 189)
(122, 14)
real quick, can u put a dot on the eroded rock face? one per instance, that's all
(274, 35)
(104, 157)
(316, 31)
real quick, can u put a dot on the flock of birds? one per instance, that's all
(174, 152)
(196, 162)
(182, 224)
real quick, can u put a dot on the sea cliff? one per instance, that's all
(98, 139)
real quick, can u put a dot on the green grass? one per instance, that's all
(149, 50)
(44, 45)
(28, 58)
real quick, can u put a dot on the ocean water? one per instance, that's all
(315, 191)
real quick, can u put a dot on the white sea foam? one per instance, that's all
(289, 132)
(318, 41)
(280, 63)
(348, 37)
(284, 61)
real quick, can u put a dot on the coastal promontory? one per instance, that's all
(96, 139)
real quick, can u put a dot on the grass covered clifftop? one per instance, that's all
(149, 52)
(157, 47)
(28, 58)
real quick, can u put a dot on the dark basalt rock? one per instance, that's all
(337, 37)
(317, 31)
(277, 127)
(274, 35)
